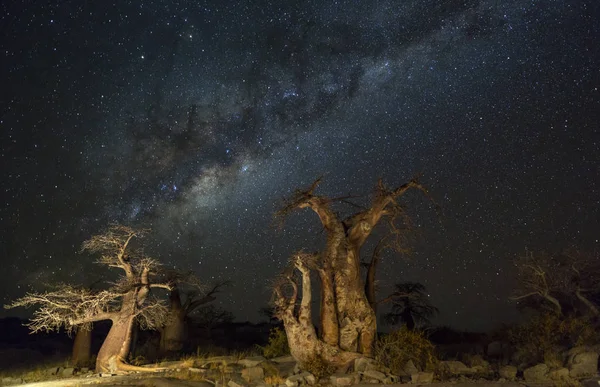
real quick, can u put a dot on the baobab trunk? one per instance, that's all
(116, 346)
(82, 346)
(174, 333)
(357, 322)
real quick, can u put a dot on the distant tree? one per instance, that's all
(559, 281)
(582, 277)
(124, 302)
(541, 277)
(185, 298)
(209, 316)
(347, 320)
(410, 305)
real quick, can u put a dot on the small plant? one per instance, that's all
(395, 349)
(277, 345)
(319, 367)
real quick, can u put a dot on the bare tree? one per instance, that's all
(582, 277)
(126, 301)
(540, 277)
(347, 320)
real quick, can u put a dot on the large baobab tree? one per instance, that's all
(185, 298)
(347, 321)
(125, 302)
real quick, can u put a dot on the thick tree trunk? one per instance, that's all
(82, 346)
(357, 322)
(328, 316)
(116, 346)
(302, 337)
(173, 334)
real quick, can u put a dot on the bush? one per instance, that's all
(395, 349)
(319, 367)
(541, 339)
(277, 345)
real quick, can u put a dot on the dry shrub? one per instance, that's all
(545, 336)
(319, 367)
(277, 345)
(395, 349)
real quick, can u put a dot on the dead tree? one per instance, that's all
(540, 277)
(582, 277)
(347, 321)
(182, 303)
(126, 301)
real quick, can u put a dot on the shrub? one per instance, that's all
(541, 339)
(277, 345)
(395, 349)
(319, 367)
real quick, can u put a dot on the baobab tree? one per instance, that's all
(125, 302)
(347, 321)
(182, 303)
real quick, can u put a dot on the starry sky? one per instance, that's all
(196, 118)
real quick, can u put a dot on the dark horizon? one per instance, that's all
(197, 118)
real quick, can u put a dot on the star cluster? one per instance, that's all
(196, 118)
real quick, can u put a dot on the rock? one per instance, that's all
(341, 380)
(69, 371)
(422, 378)
(308, 377)
(508, 372)
(10, 381)
(252, 361)
(362, 364)
(233, 383)
(537, 373)
(583, 364)
(372, 374)
(453, 367)
(105, 374)
(594, 382)
(284, 359)
(84, 370)
(253, 374)
(559, 374)
(196, 370)
(294, 380)
(410, 368)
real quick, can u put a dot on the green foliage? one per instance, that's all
(319, 367)
(541, 339)
(277, 345)
(395, 349)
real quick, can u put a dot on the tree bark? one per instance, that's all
(173, 334)
(82, 346)
(115, 348)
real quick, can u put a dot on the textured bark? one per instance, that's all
(347, 315)
(82, 346)
(371, 274)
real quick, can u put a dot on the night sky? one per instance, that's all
(196, 118)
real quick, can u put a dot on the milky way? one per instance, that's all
(197, 118)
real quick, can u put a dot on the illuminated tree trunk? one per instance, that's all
(347, 319)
